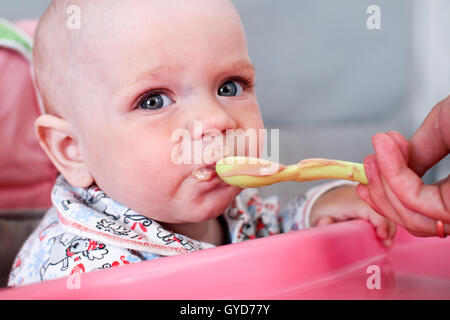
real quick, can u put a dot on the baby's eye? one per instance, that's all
(230, 89)
(155, 101)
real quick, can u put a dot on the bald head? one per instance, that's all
(55, 54)
(73, 37)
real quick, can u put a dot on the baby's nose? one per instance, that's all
(211, 121)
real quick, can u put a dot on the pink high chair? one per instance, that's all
(341, 261)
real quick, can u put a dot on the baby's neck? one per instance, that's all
(210, 231)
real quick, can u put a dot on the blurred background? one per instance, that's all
(327, 81)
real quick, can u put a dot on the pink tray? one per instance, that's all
(333, 262)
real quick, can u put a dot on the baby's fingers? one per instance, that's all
(325, 221)
(392, 230)
(384, 229)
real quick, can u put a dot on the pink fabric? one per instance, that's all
(26, 174)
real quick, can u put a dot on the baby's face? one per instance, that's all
(163, 66)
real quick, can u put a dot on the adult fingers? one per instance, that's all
(376, 192)
(416, 223)
(401, 142)
(405, 183)
(412, 221)
(431, 142)
(363, 192)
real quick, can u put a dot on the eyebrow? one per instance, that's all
(154, 73)
(244, 65)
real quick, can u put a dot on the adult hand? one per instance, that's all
(395, 187)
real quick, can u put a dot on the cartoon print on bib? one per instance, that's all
(62, 250)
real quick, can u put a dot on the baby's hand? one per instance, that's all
(343, 204)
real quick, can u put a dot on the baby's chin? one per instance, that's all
(207, 200)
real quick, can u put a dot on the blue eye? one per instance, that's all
(230, 89)
(154, 101)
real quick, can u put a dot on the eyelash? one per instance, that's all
(150, 93)
(248, 83)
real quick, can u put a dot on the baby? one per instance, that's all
(114, 91)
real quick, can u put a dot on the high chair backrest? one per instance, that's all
(26, 174)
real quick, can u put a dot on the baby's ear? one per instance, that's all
(58, 139)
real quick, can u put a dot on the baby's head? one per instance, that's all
(116, 89)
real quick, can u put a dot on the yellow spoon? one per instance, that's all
(247, 172)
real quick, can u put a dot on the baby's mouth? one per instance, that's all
(206, 173)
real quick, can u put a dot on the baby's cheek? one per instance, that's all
(153, 160)
(135, 170)
(145, 187)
